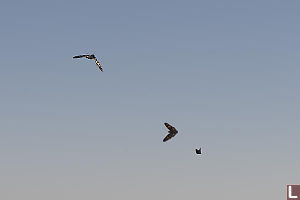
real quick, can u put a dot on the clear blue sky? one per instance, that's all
(224, 73)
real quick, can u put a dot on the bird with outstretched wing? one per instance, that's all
(172, 132)
(90, 56)
(198, 151)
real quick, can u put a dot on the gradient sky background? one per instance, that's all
(224, 73)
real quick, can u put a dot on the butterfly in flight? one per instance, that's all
(198, 151)
(172, 132)
(91, 56)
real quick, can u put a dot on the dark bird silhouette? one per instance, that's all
(172, 132)
(91, 56)
(198, 151)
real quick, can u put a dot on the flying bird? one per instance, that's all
(198, 151)
(172, 132)
(91, 56)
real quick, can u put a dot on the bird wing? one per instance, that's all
(171, 128)
(99, 65)
(80, 56)
(168, 126)
(169, 136)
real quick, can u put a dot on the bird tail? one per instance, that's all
(99, 65)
